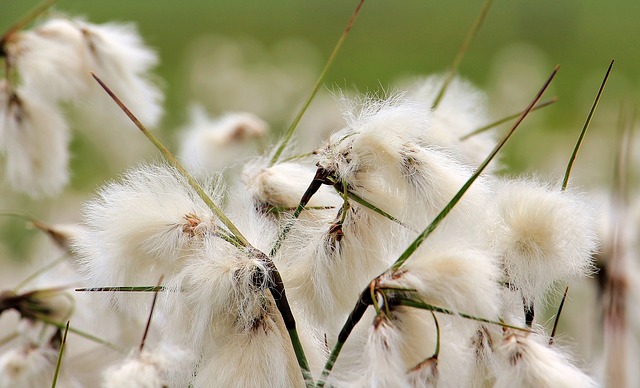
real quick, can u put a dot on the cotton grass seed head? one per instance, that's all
(544, 235)
(34, 137)
(525, 361)
(282, 185)
(259, 356)
(142, 227)
(27, 366)
(455, 278)
(116, 52)
(156, 368)
(212, 144)
(50, 60)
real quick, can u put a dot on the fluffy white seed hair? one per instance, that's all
(283, 185)
(34, 137)
(142, 227)
(543, 235)
(526, 362)
(462, 110)
(376, 132)
(27, 366)
(50, 59)
(384, 157)
(385, 366)
(211, 144)
(116, 53)
(326, 267)
(458, 278)
(261, 356)
(221, 288)
(147, 369)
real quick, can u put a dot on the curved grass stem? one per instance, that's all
(289, 134)
(505, 119)
(169, 157)
(91, 337)
(557, 320)
(461, 52)
(425, 306)
(60, 354)
(39, 10)
(574, 154)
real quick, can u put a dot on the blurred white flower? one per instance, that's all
(211, 145)
(34, 139)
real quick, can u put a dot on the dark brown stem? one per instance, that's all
(153, 306)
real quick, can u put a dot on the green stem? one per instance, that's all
(574, 154)
(318, 180)
(59, 362)
(358, 311)
(81, 333)
(39, 10)
(302, 359)
(434, 224)
(123, 289)
(174, 162)
(376, 209)
(316, 87)
(461, 52)
(435, 320)
(276, 287)
(425, 306)
(504, 120)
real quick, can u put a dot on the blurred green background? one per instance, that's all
(517, 47)
(392, 39)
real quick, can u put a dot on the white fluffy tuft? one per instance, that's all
(143, 227)
(27, 366)
(525, 362)
(34, 137)
(543, 235)
(209, 145)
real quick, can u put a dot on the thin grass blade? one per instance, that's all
(505, 119)
(169, 157)
(316, 87)
(475, 27)
(60, 354)
(574, 154)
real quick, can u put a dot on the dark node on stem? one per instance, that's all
(431, 362)
(259, 279)
(529, 313)
(56, 339)
(276, 286)
(318, 180)
(356, 314)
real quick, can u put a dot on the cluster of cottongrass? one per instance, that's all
(328, 227)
